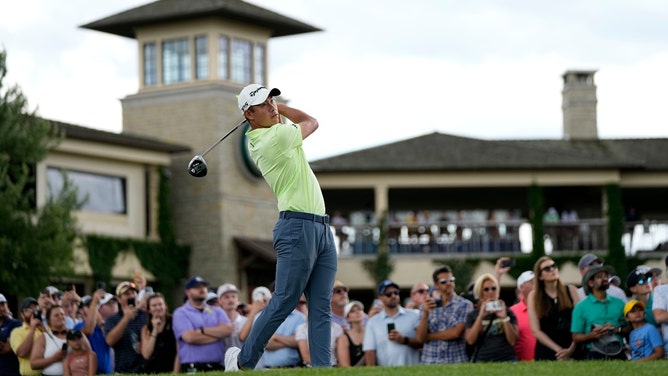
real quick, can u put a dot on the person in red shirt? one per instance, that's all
(526, 343)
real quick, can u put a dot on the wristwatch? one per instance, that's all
(201, 329)
(406, 340)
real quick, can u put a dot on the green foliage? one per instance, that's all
(165, 259)
(36, 244)
(616, 253)
(536, 211)
(382, 267)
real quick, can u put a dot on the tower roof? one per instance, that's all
(162, 11)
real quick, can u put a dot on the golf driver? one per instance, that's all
(197, 166)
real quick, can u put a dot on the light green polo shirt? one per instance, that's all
(277, 151)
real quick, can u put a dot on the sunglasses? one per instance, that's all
(443, 281)
(340, 290)
(390, 293)
(487, 289)
(549, 268)
(645, 280)
(421, 291)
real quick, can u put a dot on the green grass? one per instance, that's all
(591, 368)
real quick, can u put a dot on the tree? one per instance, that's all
(36, 244)
(382, 267)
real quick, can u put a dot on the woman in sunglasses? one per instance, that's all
(550, 307)
(492, 327)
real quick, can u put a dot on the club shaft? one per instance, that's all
(222, 138)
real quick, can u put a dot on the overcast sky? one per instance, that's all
(382, 71)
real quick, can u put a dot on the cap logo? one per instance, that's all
(251, 95)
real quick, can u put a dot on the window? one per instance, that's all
(201, 58)
(223, 58)
(175, 61)
(150, 65)
(102, 193)
(241, 61)
(258, 64)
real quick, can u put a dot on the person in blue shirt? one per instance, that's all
(645, 340)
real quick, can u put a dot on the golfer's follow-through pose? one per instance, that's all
(306, 255)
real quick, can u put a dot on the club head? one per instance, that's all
(197, 166)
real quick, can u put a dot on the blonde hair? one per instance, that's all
(477, 287)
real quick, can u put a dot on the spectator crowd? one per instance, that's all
(134, 331)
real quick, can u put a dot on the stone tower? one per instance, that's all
(579, 105)
(194, 56)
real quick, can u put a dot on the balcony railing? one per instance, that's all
(497, 237)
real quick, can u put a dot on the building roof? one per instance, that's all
(88, 134)
(444, 152)
(164, 11)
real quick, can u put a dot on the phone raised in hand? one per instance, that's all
(64, 347)
(508, 263)
(131, 301)
(101, 286)
(390, 327)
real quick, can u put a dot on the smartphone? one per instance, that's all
(148, 290)
(101, 286)
(37, 314)
(64, 348)
(439, 302)
(508, 263)
(69, 287)
(131, 301)
(390, 327)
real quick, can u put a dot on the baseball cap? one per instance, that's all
(211, 295)
(588, 259)
(632, 303)
(74, 333)
(349, 306)
(384, 285)
(261, 293)
(85, 301)
(196, 281)
(648, 269)
(3, 299)
(635, 276)
(615, 280)
(227, 287)
(107, 298)
(255, 94)
(27, 302)
(524, 277)
(123, 287)
(593, 270)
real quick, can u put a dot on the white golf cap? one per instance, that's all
(3, 299)
(107, 298)
(523, 278)
(227, 287)
(255, 94)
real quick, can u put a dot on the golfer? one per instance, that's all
(306, 255)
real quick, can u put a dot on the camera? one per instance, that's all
(494, 305)
(439, 302)
(37, 314)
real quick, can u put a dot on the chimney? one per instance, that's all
(579, 105)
